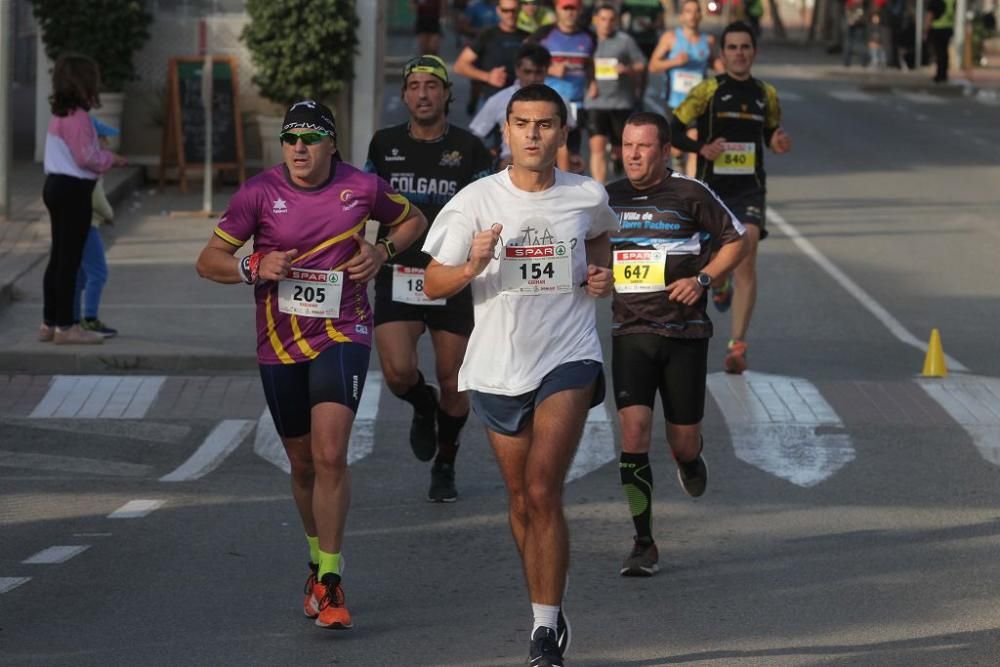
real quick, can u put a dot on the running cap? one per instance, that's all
(310, 115)
(103, 129)
(427, 64)
(563, 4)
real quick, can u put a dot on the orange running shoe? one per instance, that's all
(736, 358)
(314, 592)
(722, 296)
(333, 612)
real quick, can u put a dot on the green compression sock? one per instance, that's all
(328, 563)
(313, 549)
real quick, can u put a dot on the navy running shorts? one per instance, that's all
(337, 375)
(508, 415)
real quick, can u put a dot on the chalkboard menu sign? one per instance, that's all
(184, 132)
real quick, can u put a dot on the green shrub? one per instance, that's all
(109, 31)
(301, 49)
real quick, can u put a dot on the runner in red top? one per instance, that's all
(309, 269)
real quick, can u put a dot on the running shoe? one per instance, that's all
(423, 430)
(46, 333)
(98, 327)
(693, 476)
(544, 650)
(722, 296)
(313, 592)
(736, 358)
(643, 560)
(333, 612)
(564, 633)
(75, 335)
(442, 483)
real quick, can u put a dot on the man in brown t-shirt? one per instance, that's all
(676, 238)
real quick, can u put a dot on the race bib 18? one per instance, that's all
(640, 270)
(408, 287)
(737, 159)
(311, 293)
(539, 269)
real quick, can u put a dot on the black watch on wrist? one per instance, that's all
(704, 280)
(390, 248)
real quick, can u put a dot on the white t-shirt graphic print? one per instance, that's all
(520, 338)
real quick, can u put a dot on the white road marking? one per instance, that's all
(98, 396)
(974, 403)
(776, 424)
(597, 445)
(136, 509)
(71, 464)
(851, 96)
(267, 442)
(871, 305)
(789, 96)
(10, 583)
(54, 555)
(220, 443)
(921, 98)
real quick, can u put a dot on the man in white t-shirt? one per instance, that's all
(533, 242)
(531, 65)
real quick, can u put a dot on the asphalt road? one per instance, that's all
(851, 519)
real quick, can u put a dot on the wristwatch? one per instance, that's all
(390, 248)
(704, 280)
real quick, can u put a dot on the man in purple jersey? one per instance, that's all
(309, 269)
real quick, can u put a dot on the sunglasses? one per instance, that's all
(308, 138)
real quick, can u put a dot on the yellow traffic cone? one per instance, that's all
(934, 365)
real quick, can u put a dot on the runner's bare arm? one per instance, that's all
(600, 280)
(688, 291)
(218, 263)
(443, 281)
(369, 259)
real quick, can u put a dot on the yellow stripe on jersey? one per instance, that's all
(272, 334)
(697, 101)
(300, 341)
(773, 108)
(402, 201)
(334, 334)
(228, 238)
(329, 242)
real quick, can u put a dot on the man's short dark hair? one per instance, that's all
(536, 54)
(603, 6)
(661, 124)
(539, 92)
(738, 26)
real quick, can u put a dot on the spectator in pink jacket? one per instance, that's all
(73, 161)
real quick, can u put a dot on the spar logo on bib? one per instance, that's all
(334, 278)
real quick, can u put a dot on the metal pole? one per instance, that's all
(6, 133)
(206, 99)
(918, 37)
(960, 9)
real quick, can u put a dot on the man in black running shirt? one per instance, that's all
(428, 160)
(737, 116)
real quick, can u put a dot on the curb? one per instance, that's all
(112, 363)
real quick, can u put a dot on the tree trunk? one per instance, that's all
(779, 27)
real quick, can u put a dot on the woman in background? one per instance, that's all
(73, 161)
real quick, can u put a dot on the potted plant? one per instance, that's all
(300, 50)
(109, 31)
